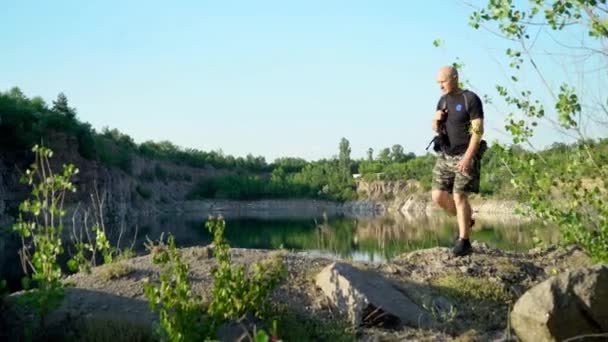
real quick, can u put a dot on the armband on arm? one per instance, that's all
(476, 130)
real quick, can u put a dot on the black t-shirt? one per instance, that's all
(462, 108)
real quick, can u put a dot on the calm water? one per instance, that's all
(364, 239)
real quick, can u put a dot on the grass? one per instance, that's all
(468, 336)
(480, 304)
(466, 288)
(114, 270)
(506, 266)
(125, 254)
(292, 327)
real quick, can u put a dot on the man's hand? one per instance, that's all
(439, 116)
(464, 165)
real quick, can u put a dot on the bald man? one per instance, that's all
(456, 173)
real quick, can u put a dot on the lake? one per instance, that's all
(373, 239)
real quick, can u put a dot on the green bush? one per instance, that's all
(40, 226)
(234, 291)
(180, 311)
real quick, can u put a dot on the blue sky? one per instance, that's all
(271, 78)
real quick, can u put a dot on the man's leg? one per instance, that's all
(443, 182)
(445, 201)
(463, 214)
(464, 183)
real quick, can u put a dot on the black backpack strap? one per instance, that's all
(466, 100)
(430, 143)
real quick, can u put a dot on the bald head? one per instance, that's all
(447, 78)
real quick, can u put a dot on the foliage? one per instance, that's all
(27, 121)
(40, 226)
(571, 193)
(324, 180)
(466, 287)
(115, 149)
(235, 292)
(344, 159)
(412, 167)
(179, 310)
(291, 326)
(384, 155)
(289, 165)
(97, 243)
(79, 261)
(102, 244)
(166, 150)
(61, 106)
(115, 270)
(370, 154)
(125, 254)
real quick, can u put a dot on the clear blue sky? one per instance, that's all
(271, 78)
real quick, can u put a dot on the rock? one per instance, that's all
(480, 246)
(571, 304)
(204, 253)
(392, 269)
(368, 299)
(442, 304)
(16, 319)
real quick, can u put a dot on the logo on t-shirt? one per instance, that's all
(458, 107)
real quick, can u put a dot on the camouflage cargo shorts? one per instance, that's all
(446, 177)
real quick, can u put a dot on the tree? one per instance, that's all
(344, 158)
(38, 104)
(571, 194)
(397, 154)
(17, 94)
(290, 164)
(370, 154)
(384, 155)
(60, 105)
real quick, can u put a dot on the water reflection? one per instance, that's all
(365, 239)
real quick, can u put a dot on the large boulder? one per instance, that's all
(366, 298)
(571, 304)
(79, 310)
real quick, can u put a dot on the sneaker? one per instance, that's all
(462, 248)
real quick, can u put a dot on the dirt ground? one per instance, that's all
(469, 296)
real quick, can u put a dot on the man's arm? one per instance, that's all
(476, 131)
(439, 116)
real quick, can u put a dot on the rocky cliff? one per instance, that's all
(408, 198)
(152, 188)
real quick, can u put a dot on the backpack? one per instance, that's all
(441, 141)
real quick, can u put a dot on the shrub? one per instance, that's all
(234, 292)
(180, 312)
